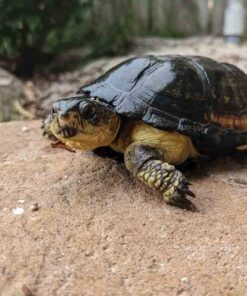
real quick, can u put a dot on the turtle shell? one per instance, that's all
(194, 95)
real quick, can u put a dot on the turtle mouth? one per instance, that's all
(67, 132)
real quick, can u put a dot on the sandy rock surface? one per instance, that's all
(75, 224)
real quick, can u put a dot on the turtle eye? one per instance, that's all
(87, 110)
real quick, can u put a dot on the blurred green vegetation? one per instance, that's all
(32, 32)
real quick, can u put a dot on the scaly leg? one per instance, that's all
(147, 164)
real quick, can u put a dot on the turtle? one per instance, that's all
(158, 112)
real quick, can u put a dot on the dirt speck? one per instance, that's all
(34, 207)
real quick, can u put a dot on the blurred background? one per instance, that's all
(49, 48)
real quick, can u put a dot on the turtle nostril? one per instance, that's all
(53, 111)
(54, 108)
(64, 115)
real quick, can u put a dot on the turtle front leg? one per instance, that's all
(147, 164)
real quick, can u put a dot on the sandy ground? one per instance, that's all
(97, 231)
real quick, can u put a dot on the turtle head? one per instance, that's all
(83, 122)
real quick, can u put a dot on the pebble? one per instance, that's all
(24, 129)
(34, 207)
(18, 211)
(185, 280)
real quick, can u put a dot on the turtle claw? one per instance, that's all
(186, 191)
(188, 183)
(183, 203)
(190, 193)
(179, 199)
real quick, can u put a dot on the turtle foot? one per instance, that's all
(178, 192)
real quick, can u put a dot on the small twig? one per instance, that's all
(59, 144)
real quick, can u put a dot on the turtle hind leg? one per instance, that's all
(193, 164)
(146, 164)
(213, 139)
(240, 156)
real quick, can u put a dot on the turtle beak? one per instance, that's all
(63, 123)
(64, 116)
(66, 125)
